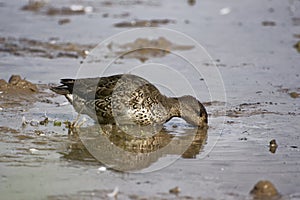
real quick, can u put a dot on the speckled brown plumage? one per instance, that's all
(128, 99)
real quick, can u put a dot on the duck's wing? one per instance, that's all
(85, 88)
(106, 86)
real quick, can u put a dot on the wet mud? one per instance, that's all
(18, 92)
(250, 151)
(41, 138)
(144, 23)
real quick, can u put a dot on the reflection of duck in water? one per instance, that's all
(129, 99)
(113, 147)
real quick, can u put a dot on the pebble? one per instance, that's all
(33, 151)
(76, 7)
(264, 190)
(175, 190)
(24, 121)
(113, 193)
(273, 146)
(102, 169)
(225, 11)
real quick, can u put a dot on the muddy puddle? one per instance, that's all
(49, 49)
(250, 151)
(143, 49)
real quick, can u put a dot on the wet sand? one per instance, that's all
(254, 45)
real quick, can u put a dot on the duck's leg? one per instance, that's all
(76, 123)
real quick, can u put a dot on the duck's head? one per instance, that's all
(192, 111)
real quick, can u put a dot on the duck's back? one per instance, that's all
(121, 99)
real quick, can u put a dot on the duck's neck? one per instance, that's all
(174, 107)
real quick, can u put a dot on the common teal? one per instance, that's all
(129, 99)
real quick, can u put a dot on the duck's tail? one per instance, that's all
(65, 88)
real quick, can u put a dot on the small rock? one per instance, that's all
(175, 190)
(294, 94)
(64, 21)
(297, 46)
(3, 83)
(33, 151)
(34, 6)
(44, 122)
(268, 23)
(102, 169)
(225, 11)
(264, 190)
(14, 79)
(191, 2)
(24, 121)
(57, 123)
(273, 146)
(76, 7)
(34, 123)
(114, 193)
(105, 15)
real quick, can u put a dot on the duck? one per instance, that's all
(129, 99)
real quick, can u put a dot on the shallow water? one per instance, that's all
(251, 43)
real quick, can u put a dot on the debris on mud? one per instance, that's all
(114, 193)
(296, 35)
(43, 7)
(250, 109)
(268, 23)
(64, 21)
(293, 93)
(264, 190)
(4, 129)
(296, 21)
(191, 2)
(130, 3)
(57, 123)
(34, 6)
(273, 146)
(45, 122)
(297, 46)
(175, 190)
(143, 48)
(121, 15)
(50, 49)
(144, 23)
